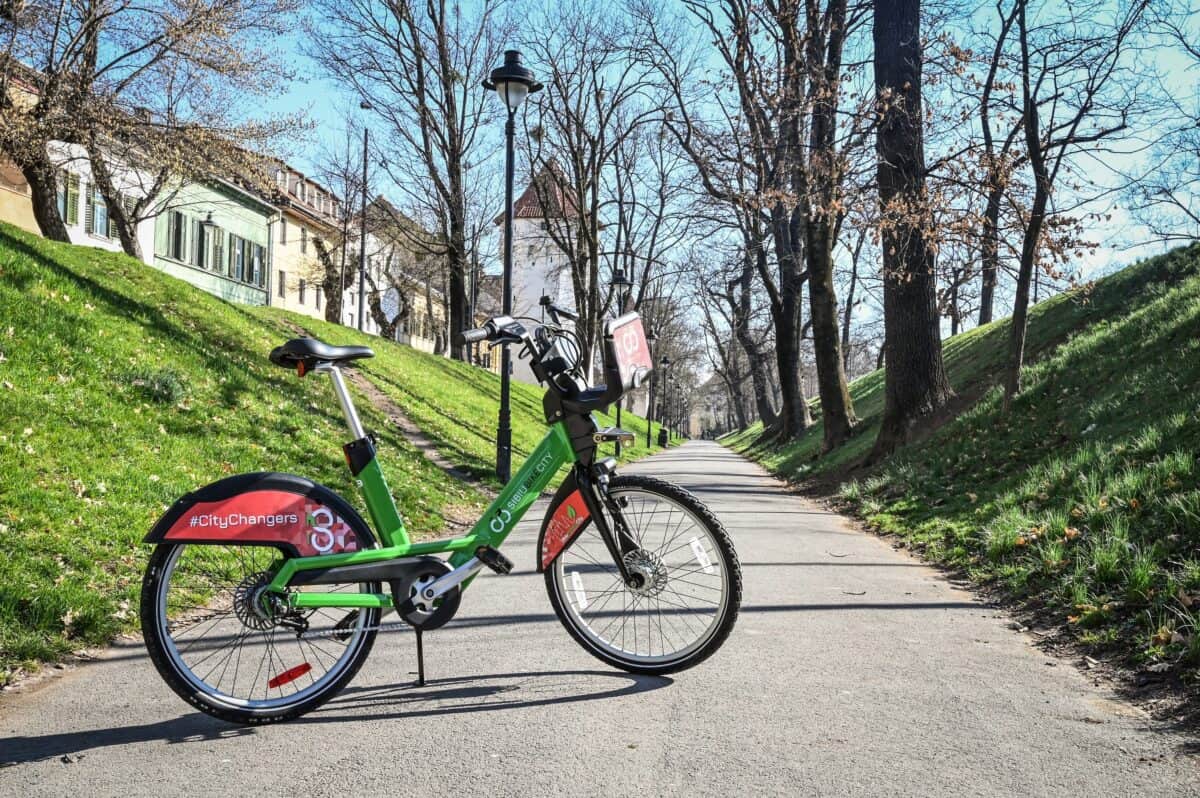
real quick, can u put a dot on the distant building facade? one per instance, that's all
(308, 222)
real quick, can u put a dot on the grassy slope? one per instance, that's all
(121, 388)
(1085, 500)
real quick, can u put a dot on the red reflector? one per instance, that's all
(290, 675)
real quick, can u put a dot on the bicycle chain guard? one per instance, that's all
(406, 595)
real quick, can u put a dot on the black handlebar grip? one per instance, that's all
(473, 336)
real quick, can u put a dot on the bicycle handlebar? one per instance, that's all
(473, 336)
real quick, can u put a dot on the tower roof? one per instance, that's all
(545, 197)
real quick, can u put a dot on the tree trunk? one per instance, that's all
(1029, 248)
(989, 255)
(43, 190)
(331, 281)
(457, 266)
(795, 416)
(848, 311)
(837, 411)
(740, 311)
(824, 176)
(915, 383)
(125, 223)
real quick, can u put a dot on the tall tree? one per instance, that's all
(1073, 97)
(419, 66)
(594, 157)
(824, 38)
(915, 383)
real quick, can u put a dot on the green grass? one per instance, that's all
(1084, 500)
(122, 388)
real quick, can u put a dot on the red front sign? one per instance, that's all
(568, 519)
(267, 517)
(633, 353)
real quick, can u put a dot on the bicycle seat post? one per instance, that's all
(343, 395)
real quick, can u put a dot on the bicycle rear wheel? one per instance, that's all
(215, 640)
(691, 587)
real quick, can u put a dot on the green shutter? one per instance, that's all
(72, 199)
(112, 227)
(89, 214)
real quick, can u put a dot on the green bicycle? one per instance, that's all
(265, 591)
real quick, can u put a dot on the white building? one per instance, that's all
(540, 266)
(83, 208)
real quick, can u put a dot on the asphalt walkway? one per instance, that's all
(854, 670)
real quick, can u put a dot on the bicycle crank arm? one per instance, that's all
(444, 584)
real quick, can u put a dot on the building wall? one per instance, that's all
(15, 206)
(74, 166)
(539, 268)
(297, 270)
(233, 213)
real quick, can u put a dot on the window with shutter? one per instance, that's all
(303, 286)
(89, 213)
(217, 264)
(303, 240)
(177, 234)
(282, 284)
(318, 299)
(99, 214)
(283, 231)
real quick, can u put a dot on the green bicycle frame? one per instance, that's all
(497, 523)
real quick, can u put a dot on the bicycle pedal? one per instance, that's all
(494, 559)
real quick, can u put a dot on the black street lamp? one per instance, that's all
(650, 339)
(512, 83)
(362, 241)
(624, 287)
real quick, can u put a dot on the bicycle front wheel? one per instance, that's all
(690, 586)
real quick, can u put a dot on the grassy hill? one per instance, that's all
(122, 388)
(1084, 501)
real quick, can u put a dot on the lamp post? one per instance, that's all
(512, 82)
(650, 339)
(362, 232)
(624, 287)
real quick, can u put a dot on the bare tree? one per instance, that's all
(155, 83)
(1071, 71)
(606, 186)
(1165, 195)
(419, 66)
(915, 383)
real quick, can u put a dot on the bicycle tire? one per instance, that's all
(179, 676)
(570, 603)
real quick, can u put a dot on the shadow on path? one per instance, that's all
(396, 700)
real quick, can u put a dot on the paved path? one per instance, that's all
(853, 671)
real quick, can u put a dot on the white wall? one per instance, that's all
(539, 268)
(73, 158)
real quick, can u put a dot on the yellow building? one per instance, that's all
(308, 219)
(15, 205)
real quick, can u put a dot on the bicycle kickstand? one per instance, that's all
(420, 659)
